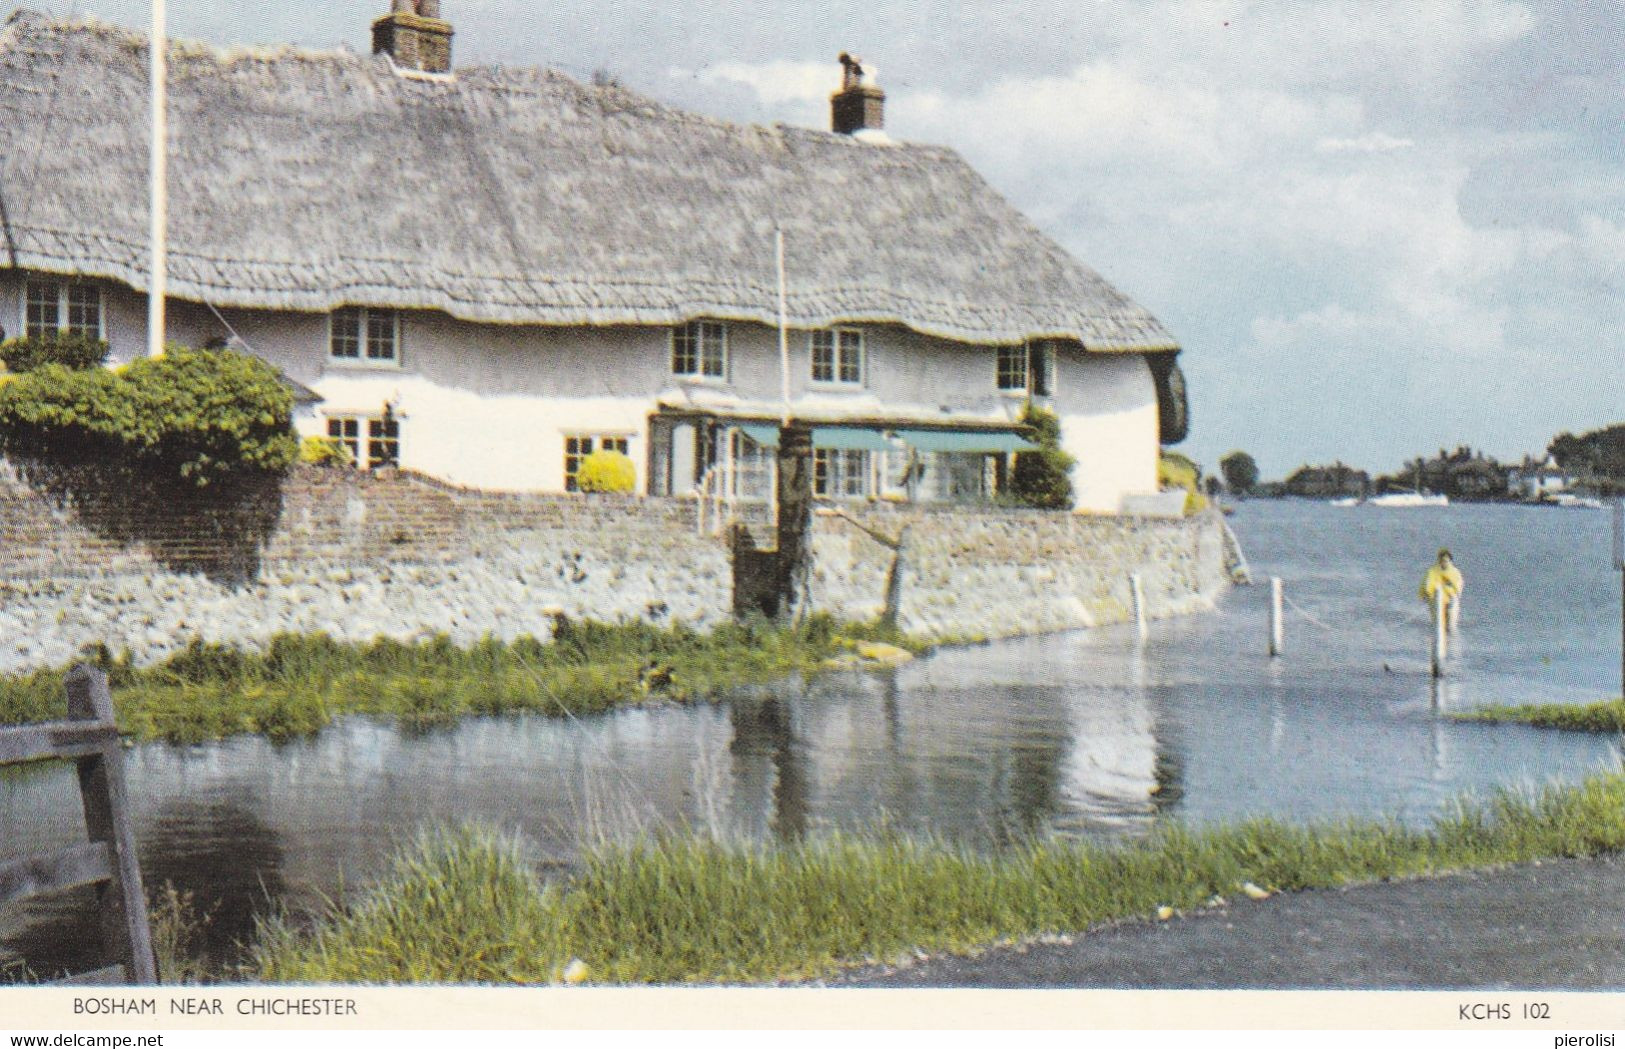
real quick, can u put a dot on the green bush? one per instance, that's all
(1179, 471)
(1043, 478)
(72, 350)
(607, 472)
(199, 416)
(324, 451)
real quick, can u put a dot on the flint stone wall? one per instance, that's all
(983, 573)
(359, 555)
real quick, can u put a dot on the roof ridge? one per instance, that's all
(526, 80)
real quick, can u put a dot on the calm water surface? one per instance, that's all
(1077, 734)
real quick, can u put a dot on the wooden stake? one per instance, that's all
(1137, 592)
(1441, 632)
(1277, 626)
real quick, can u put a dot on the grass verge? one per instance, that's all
(1606, 716)
(300, 683)
(464, 905)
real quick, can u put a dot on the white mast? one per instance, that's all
(784, 330)
(157, 178)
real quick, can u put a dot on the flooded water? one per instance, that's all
(1086, 733)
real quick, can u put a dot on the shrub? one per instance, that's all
(72, 350)
(1043, 478)
(1177, 471)
(607, 472)
(324, 451)
(198, 416)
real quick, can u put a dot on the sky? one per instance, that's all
(1377, 229)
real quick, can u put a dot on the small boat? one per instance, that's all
(1409, 499)
(1576, 502)
(1351, 500)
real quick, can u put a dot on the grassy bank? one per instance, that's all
(300, 683)
(1606, 716)
(465, 905)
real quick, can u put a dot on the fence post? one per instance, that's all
(107, 820)
(1277, 624)
(1137, 595)
(1441, 632)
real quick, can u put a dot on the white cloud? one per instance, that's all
(776, 83)
(1372, 142)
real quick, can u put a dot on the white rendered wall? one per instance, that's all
(489, 406)
(1108, 411)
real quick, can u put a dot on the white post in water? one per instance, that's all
(1619, 566)
(158, 175)
(1277, 626)
(1137, 592)
(1441, 632)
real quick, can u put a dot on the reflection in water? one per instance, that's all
(226, 857)
(1089, 734)
(219, 851)
(767, 764)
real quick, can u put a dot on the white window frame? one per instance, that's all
(64, 293)
(364, 316)
(848, 473)
(837, 369)
(1041, 351)
(365, 437)
(595, 443)
(699, 373)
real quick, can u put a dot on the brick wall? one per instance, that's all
(355, 555)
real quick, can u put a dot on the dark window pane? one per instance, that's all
(346, 333)
(380, 335)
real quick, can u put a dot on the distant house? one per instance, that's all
(485, 275)
(1538, 478)
(1327, 482)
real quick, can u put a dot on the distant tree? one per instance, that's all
(1570, 452)
(1240, 472)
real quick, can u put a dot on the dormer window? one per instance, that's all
(837, 357)
(365, 335)
(1026, 369)
(52, 306)
(699, 350)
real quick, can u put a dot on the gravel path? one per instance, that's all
(1556, 924)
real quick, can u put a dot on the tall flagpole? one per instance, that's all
(157, 179)
(784, 330)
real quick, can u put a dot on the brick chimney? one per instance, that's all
(859, 105)
(414, 36)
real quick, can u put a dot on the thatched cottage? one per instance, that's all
(485, 274)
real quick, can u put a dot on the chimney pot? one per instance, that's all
(860, 105)
(414, 36)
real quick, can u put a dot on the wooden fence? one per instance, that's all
(89, 738)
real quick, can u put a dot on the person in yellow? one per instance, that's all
(1444, 575)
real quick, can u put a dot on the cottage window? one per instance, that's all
(52, 306)
(837, 357)
(840, 473)
(1028, 368)
(700, 349)
(381, 434)
(578, 446)
(360, 333)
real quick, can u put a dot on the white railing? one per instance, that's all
(740, 487)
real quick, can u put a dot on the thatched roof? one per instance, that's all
(306, 180)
